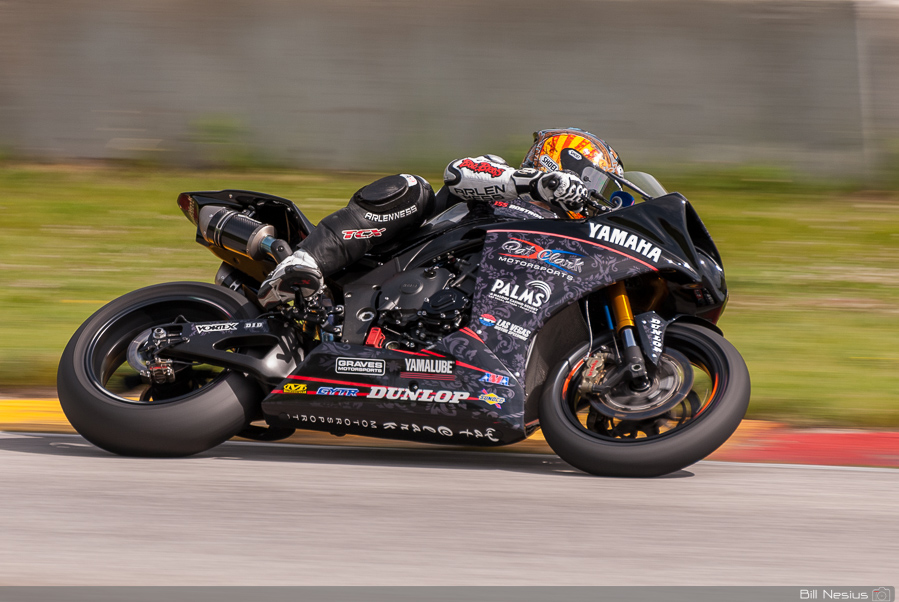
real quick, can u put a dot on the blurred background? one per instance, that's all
(779, 120)
(361, 84)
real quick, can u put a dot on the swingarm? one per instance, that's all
(266, 348)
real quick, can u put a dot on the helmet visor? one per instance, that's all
(593, 178)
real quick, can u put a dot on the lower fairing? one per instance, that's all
(456, 393)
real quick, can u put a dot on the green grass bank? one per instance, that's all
(813, 271)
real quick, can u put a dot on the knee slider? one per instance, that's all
(394, 197)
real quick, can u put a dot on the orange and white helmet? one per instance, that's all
(571, 149)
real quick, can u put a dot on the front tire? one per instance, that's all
(653, 447)
(203, 408)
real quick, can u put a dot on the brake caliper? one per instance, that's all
(593, 373)
(160, 372)
(143, 355)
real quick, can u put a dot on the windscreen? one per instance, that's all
(646, 182)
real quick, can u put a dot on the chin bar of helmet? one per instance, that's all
(236, 232)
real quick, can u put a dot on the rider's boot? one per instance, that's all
(299, 274)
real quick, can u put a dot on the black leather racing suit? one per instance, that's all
(388, 207)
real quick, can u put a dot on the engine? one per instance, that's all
(419, 307)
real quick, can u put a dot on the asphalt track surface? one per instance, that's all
(272, 514)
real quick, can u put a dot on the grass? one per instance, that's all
(813, 271)
(814, 280)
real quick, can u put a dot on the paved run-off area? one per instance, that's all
(322, 510)
(269, 514)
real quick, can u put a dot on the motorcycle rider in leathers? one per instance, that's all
(391, 206)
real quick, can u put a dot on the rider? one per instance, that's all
(549, 184)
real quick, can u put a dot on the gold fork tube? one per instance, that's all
(621, 307)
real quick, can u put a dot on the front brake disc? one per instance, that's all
(670, 385)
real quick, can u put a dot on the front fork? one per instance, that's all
(625, 329)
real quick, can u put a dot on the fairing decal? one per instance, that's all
(517, 295)
(463, 407)
(520, 209)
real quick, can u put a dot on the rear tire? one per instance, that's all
(204, 412)
(702, 426)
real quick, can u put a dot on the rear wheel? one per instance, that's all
(108, 402)
(696, 401)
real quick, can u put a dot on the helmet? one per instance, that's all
(574, 150)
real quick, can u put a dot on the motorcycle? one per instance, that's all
(475, 330)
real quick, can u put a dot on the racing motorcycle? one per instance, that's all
(475, 330)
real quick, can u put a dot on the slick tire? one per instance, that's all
(601, 455)
(181, 426)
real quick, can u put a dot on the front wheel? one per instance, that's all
(108, 402)
(700, 371)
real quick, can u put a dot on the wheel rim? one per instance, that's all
(703, 394)
(107, 357)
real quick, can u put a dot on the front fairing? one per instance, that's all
(531, 270)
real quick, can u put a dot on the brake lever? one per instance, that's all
(593, 201)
